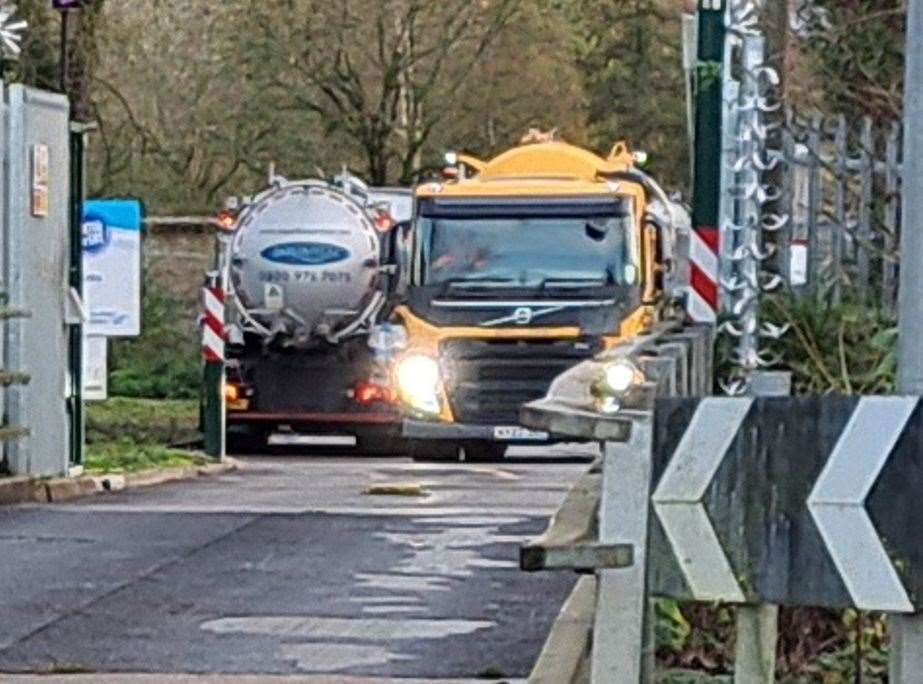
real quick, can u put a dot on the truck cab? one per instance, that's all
(544, 257)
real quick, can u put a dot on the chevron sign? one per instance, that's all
(796, 501)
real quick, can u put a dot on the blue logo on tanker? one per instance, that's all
(305, 253)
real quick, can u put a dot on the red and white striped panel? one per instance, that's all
(213, 332)
(702, 299)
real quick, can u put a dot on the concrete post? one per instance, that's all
(758, 626)
(911, 286)
(622, 648)
(907, 631)
(757, 639)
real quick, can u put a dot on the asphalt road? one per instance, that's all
(288, 568)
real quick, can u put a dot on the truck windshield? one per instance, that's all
(594, 249)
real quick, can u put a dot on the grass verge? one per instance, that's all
(127, 456)
(157, 421)
(126, 435)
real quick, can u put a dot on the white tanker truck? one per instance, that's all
(309, 269)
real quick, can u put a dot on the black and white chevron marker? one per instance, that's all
(837, 503)
(795, 501)
(678, 499)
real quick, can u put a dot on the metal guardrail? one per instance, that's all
(754, 502)
(602, 526)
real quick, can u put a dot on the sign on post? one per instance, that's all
(40, 174)
(95, 368)
(809, 501)
(112, 267)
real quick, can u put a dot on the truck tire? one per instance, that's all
(484, 452)
(432, 450)
(381, 443)
(247, 440)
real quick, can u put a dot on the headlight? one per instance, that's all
(621, 376)
(417, 379)
(617, 381)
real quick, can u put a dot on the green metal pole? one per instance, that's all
(703, 302)
(78, 140)
(214, 409)
(708, 107)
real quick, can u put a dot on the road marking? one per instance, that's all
(837, 503)
(372, 511)
(161, 678)
(678, 499)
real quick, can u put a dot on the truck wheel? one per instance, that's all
(381, 444)
(481, 452)
(432, 450)
(247, 441)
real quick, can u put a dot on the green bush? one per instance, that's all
(163, 362)
(847, 348)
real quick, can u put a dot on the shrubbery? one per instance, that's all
(164, 362)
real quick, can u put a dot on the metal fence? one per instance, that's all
(842, 192)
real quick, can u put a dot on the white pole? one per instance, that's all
(907, 631)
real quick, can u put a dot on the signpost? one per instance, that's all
(111, 232)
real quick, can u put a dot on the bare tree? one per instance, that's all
(176, 120)
(386, 74)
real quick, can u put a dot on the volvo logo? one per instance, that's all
(305, 253)
(522, 315)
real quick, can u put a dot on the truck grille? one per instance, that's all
(488, 381)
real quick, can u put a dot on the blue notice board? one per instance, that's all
(112, 230)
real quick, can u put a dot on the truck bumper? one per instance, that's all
(426, 429)
(314, 418)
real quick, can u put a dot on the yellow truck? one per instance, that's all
(519, 268)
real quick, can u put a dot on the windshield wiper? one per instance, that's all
(484, 284)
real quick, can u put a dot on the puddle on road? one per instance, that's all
(398, 583)
(317, 655)
(436, 552)
(333, 657)
(362, 629)
(436, 555)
